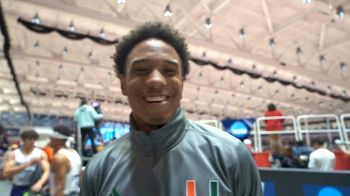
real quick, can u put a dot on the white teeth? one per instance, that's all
(155, 98)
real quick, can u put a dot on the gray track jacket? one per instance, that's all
(183, 158)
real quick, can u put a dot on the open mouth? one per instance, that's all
(156, 99)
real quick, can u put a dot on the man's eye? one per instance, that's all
(171, 72)
(141, 71)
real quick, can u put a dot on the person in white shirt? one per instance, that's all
(66, 165)
(21, 165)
(321, 158)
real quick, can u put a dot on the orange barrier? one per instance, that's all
(342, 161)
(262, 159)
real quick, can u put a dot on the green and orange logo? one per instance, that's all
(191, 188)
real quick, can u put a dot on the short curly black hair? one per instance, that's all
(148, 30)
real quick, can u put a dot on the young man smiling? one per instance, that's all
(165, 153)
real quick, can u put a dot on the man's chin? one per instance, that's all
(158, 122)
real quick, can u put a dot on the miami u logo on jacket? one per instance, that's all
(191, 188)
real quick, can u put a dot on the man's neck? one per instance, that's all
(147, 128)
(61, 147)
(27, 150)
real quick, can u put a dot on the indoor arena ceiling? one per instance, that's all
(294, 53)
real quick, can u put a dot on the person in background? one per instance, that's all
(66, 165)
(301, 153)
(21, 164)
(85, 116)
(4, 143)
(321, 158)
(4, 146)
(342, 147)
(97, 106)
(347, 152)
(165, 153)
(275, 142)
(49, 152)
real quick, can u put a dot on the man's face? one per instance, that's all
(28, 142)
(153, 83)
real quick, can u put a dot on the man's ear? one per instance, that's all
(122, 80)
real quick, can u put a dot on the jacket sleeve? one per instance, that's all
(88, 182)
(94, 114)
(246, 178)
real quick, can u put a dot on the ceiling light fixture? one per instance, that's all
(274, 74)
(36, 19)
(253, 67)
(204, 55)
(322, 58)
(306, 1)
(272, 43)
(36, 44)
(313, 83)
(241, 84)
(230, 62)
(90, 54)
(241, 33)
(298, 50)
(102, 34)
(200, 75)
(167, 11)
(321, 103)
(329, 89)
(208, 24)
(65, 50)
(71, 27)
(121, 1)
(342, 66)
(340, 12)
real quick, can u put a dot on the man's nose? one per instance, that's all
(156, 78)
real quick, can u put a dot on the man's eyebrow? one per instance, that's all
(143, 60)
(171, 61)
(137, 61)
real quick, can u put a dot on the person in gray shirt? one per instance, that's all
(165, 154)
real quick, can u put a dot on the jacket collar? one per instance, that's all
(160, 140)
